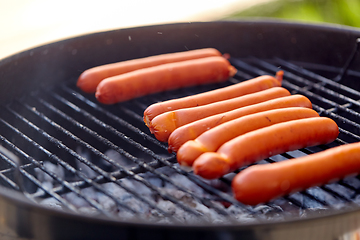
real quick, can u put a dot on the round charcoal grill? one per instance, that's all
(71, 168)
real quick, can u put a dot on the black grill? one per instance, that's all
(78, 155)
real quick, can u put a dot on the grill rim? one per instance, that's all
(15, 198)
(261, 229)
(11, 195)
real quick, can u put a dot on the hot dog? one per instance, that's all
(90, 78)
(212, 139)
(249, 86)
(163, 77)
(262, 183)
(164, 124)
(193, 130)
(265, 142)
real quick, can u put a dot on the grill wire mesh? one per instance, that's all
(78, 155)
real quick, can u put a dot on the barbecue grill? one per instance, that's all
(71, 168)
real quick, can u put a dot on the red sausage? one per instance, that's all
(164, 124)
(212, 139)
(262, 183)
(90, 78)
(243, 88)
(193, 130)
(163, 77)
(265, 142)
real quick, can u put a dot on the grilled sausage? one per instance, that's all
(193, 130)
(212, 139)
(164, 124)
(163, 77)
(265, 142)
(90, 78)
(262, 183)
(246, 87)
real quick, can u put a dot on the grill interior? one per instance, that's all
(75, 154)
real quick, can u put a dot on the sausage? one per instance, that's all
(163, 77)
(265, 142)
(246, 87)
(164, 124)
(212, 139)
(90, 78)
(262, 183)
(193, 130)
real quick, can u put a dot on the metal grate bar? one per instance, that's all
(322, 88)
(114, 117)
(167, 179)
(318, 77)
(92, 166)
(303, 71)
(67, 167)
(97, 153)
(332, 115)
(38, 164)
(105, 126)
(166, 162)
(308, 93)
(316, 107)
(208, 188)
(121, 151)
(318, 86)
(10, 182)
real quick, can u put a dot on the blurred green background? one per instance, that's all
(345, 12)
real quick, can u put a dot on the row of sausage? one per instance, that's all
(219, 131)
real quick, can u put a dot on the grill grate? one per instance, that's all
(78, 155)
